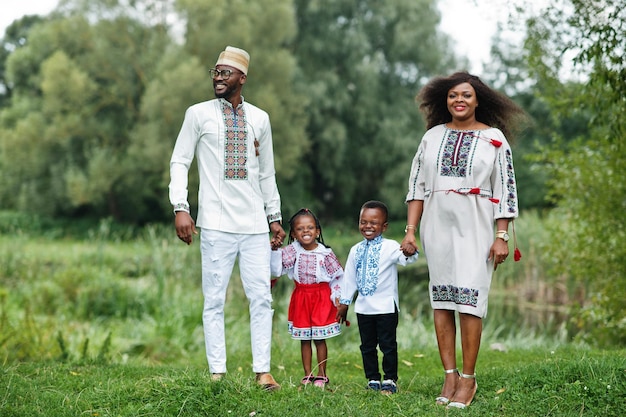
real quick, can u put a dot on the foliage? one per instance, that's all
(96, 88)
(362, 64)
(14, 37)
(586, 173)
(77, 88)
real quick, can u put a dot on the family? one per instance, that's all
(461, 197)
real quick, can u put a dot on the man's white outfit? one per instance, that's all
(237, 199)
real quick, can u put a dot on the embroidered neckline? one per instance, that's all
(367, 260)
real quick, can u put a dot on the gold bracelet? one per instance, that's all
(408, 226)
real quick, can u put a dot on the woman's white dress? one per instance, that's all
(467, 181)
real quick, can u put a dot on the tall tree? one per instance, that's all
(77, 88)
(363, 62)
(15, 37)
(588, 185)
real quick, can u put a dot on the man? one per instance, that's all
(238, 197)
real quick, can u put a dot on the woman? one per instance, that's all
(462, 183)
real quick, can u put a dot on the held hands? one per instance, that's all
(409, 245)
(278, 235)
(185, 227)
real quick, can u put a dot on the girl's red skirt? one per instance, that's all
(312, 315)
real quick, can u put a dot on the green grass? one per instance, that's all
(567, 381)
(102, 320)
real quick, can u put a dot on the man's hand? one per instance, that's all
(185, 227)
(278, 235)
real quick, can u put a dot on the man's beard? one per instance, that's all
(227, 93)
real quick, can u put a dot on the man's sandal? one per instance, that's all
(267, 381)
(441, 400)
(458, 404)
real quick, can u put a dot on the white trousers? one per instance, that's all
(219, 251)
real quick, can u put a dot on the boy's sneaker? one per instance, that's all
(389, 387)
(373, 385)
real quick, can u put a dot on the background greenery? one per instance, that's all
(106, 321)
(91, 100)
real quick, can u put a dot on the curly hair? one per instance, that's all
(495, 109)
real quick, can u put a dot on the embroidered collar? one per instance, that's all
(367, 259)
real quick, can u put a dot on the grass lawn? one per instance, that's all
(109, 324)
(567, 381)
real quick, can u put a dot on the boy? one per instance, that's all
(371, 270)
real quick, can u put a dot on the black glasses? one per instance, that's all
(225, 73)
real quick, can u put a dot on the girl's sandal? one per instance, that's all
(458, 404)
(321, 381)
(441, 400)
(307, 380)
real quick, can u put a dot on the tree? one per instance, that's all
(14, 38)
(587, 174)
(77, 88)
(362, 65)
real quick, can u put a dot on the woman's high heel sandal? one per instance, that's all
(441, 400)
(458, 404)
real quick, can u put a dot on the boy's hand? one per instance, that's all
(408, 251)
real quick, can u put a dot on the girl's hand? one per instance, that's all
(342, 313)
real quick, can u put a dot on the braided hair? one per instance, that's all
(306, 212)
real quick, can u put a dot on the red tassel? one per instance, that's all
(474, 191)
(517, 255)
(273, 282)
(348, 323)
(494, 200)
(496, 143)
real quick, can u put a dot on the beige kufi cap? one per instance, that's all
(234, 57)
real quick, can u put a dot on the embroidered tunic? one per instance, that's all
(371, 269)
(467, 181)
(317, 274)
(238, 192)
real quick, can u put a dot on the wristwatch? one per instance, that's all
(502, 234)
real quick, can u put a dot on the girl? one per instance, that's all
(317, 273)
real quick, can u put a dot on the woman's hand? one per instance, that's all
(409, 243)
(498, 252)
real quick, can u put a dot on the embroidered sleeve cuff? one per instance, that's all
(274, 217)
(181, 207)
(345, 301)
